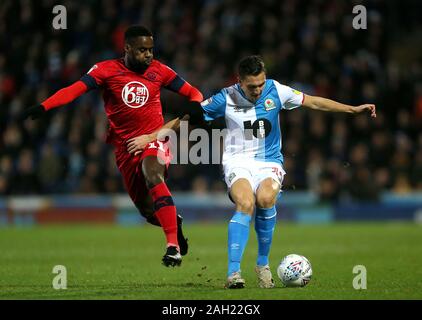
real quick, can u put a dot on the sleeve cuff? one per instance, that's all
(89, 81)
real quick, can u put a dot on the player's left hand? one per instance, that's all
(370, 107)
(137, 144)
(33, 112)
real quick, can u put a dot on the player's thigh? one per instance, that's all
(155, 159)
(243, 196)
(134, 181)
(153, 170)
(137, 189)
(267, 192)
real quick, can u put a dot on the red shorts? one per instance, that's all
(130, 167)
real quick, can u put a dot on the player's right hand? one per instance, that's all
(34, 112)
(137, 144)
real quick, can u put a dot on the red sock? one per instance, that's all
(165, 211)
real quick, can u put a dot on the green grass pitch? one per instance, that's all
(115, 262)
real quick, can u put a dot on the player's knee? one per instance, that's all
(153, 175)
(245, 205)
(265, 200)
(153, 171)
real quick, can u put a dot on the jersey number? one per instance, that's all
(260, 129)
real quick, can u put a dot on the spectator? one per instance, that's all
(202, 40)
(50, 170)
(362, 186)
(25, 180)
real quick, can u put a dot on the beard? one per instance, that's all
(137, 66)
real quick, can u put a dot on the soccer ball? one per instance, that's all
(294, 271)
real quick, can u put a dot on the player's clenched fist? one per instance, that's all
(370, 107)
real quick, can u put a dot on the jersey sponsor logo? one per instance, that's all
(269, 104)
(296, 92)
(259, 129)
(135, 94)
(92, 68)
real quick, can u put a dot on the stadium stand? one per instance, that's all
(309, 45)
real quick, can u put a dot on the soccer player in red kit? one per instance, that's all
(131, 92)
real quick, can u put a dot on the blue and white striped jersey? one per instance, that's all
(253, 129)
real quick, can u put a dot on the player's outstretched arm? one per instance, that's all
(137, 144)
(61, 97)
(323, 104)
(192, 93)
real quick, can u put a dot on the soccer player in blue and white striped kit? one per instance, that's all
(252, 158)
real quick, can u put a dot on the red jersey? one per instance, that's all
(131, 100)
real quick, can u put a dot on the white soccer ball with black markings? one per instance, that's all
(294, 271)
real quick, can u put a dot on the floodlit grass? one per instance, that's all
(115, 262)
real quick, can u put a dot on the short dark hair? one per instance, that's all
(137, 31)
(251, 66)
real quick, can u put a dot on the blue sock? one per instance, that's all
(238, 237)
(265, 220)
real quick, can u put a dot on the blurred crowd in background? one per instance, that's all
(309, 45)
